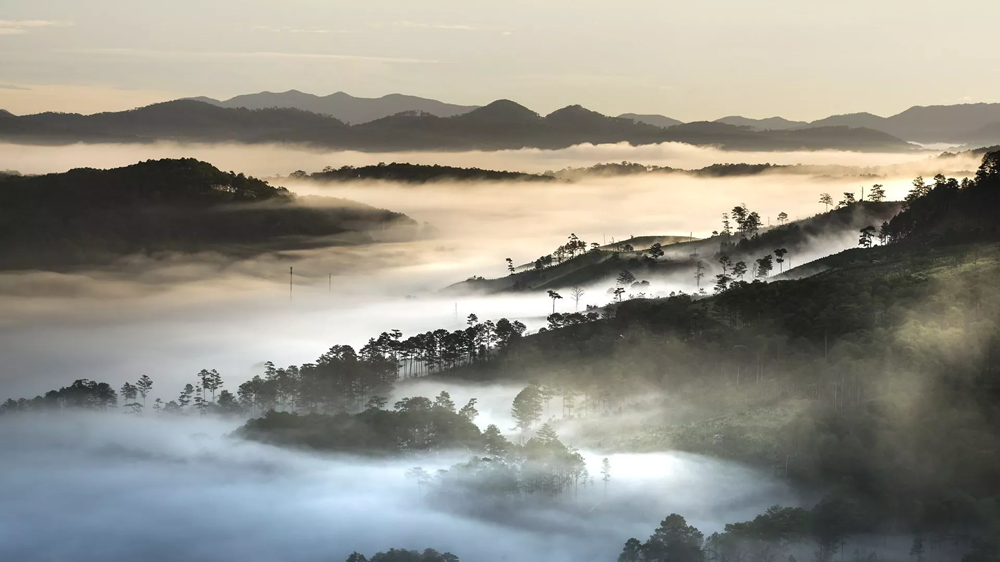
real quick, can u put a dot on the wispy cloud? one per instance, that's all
(249, 55)
(13, 87)
(20, 27)
(421, 25)
(290, 29)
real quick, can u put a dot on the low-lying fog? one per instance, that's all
(109, 487)
(117, 487)
(267, 160)
(171, 317)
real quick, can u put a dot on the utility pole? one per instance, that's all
(330, 282)
(290, 270)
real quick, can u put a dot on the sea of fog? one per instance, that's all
(108, 487)
(173, 316)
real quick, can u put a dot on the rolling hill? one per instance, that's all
(89, 217)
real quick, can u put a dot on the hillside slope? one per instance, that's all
(87, 216)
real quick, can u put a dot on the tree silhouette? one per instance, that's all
(826, 199)
(764, 266)
(848, 200)
(739, 270)
(867, 234)
(877, 193)
(655, 251)
(510, 266)
(469, 411)
(143, 386)
(421, 476)
(618, 292)
(780, 258)
(699, 272)
(782, 217)
(554, 296)
(576, 293)
(527, 407)
(674, 541)
(129, 393)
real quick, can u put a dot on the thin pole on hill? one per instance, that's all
(330, 283)
(290, 284)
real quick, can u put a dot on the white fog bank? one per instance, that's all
(113, 488)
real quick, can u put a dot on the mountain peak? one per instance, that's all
(655, 120)
(501, 111)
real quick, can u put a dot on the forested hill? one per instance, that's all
(415, 173)
(500, 125)
(88, 216)
(579, 264)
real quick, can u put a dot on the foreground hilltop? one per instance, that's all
(87, 216)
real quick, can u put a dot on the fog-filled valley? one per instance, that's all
(799, 362)
(223, 499)
(196, 309)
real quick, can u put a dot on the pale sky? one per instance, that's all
(691, 60)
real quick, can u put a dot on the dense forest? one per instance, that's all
(87, 216)
(414, 173)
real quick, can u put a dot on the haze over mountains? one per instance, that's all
(501, 125)
(342, 106)
(397, 122)
(961, 124)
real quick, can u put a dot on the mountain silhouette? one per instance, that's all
(179, 119)
(661, 121)
(500, 125)
(936, 123)
(342, 106)
(983, 136)
(768, 124)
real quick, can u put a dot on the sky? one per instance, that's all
(687, 60)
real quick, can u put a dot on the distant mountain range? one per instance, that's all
(975, 123)
(402, 122)
(965, 123)
(342, 106)
(500, 125)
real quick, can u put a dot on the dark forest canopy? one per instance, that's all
(415, 173)
(404, 172)
(88, 216)
(500, 125)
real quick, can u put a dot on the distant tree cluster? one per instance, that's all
(340, 380)
(403, 555)
(415, 174)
